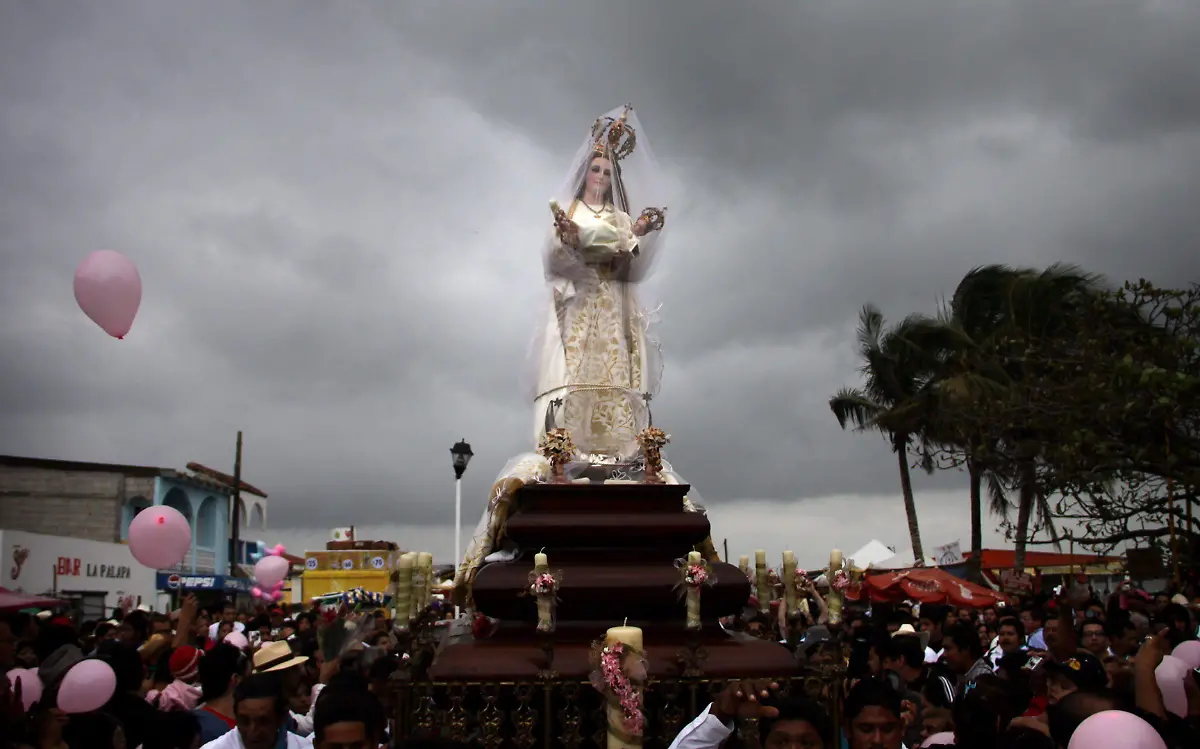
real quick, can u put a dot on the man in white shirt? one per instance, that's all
(260, 710)
(1010, 639)
(228, 614)
(782, 723)
(1034, 619)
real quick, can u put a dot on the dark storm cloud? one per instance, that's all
(337, 208)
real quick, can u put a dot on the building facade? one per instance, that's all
(96, 502)
(97, 576)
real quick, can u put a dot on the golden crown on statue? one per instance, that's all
(614, 137)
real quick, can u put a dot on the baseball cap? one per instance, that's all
(185, 663)
(1084, 670)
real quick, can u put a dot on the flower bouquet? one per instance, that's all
(556, 446)
(652, 440)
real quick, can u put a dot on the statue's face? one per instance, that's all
(599, 176)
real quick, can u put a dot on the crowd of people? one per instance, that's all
(1029, 674)
(1026, 674)
(217, 679)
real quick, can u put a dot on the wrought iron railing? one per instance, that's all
(569, 714)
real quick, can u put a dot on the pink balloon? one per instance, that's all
(1170, 675)
(237, 639)
(1189, 653)
(31, 685)
(945, 738)
(270, 570)
(159, 537)
(257, 591)
(108, 289)
(87, 686)
(1115, 729)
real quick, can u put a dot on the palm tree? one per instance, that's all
(997, 301)
(894, 373)
(955, 364)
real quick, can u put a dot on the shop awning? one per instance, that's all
(926, 585)
(13, 601)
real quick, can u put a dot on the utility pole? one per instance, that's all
(237, 502)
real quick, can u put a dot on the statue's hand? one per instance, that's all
(568, 230)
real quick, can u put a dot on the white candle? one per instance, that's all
(545, 603)
(789, 582)
(404, 583)
(833, 602)
(760, 573)
(744, 564)
(425, 560)
(626, 635)
(631, 637)
(692, 595)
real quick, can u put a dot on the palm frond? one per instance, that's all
(852, 406)
(1045, 518)
(870, 327)
(998, 501)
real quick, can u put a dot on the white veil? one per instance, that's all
(638, 189)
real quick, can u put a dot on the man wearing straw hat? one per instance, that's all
(277, 658)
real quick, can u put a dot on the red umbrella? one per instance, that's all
(929, 585)
(12, 601)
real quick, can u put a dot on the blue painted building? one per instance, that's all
(207, 505)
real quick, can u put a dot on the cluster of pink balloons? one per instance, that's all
(1171, 673)
(87, 686)
(108, 289)
(160, 537)
(270, 572)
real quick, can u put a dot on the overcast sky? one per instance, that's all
(337, 209)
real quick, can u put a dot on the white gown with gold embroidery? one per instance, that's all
(593, 350)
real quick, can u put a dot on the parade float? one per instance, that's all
(344, 566)
(591, 588)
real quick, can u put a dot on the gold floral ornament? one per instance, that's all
(556, 446)
(655, 218)
(652, 440)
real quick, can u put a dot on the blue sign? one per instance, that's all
(171, 581)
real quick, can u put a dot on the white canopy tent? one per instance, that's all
(872, 556)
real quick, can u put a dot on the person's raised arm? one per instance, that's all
(739, 699)
(1145, 687)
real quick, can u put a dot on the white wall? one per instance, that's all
(84, 567)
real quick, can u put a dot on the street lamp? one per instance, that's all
(460, 456)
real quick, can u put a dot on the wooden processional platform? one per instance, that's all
(613, 548)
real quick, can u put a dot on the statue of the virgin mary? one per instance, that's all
(595, 365)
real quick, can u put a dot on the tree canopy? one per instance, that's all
(1082, 399)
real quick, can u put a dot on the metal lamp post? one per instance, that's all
(460, 456)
